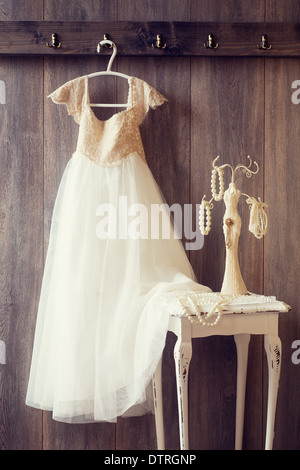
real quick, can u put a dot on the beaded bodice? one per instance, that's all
(108, 142)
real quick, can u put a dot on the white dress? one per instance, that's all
(100, 330)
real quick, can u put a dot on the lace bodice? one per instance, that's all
(108, 142)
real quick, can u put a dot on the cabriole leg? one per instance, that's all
(242, 347)
(273, 351)
(158, 406)
(182, 356)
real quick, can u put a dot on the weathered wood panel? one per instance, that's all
(226, 106)
(21, 233)
(21, 238)
(281, 260)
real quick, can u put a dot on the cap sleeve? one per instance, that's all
(146, 97)
(72, 95)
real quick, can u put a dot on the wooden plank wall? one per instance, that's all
(227, 106)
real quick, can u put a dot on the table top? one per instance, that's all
(253, 314)
(181, 303)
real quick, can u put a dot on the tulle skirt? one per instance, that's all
(100, 331)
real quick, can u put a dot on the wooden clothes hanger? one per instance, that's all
(108, 71)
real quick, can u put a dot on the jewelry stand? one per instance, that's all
(233, 283)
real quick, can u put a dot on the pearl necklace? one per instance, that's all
(258, 223)
(217, 171)
(206, 206)
(194, 314)
(205, 210)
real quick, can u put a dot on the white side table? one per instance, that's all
(240, 321)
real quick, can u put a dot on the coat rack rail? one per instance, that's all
(48, 38)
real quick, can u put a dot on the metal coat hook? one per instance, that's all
(211, 43)
(54, 42)
(106, 43)
(264, 45)
(159, 43)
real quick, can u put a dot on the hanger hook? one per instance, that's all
(107, 43)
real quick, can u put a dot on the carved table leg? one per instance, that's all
(182, 356)
(158, 406)
(242, 347)
(273, 351)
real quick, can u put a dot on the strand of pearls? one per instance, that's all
(194, 314)
(258, 222)
(217, 171)
(206, 206)
(205, 213)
